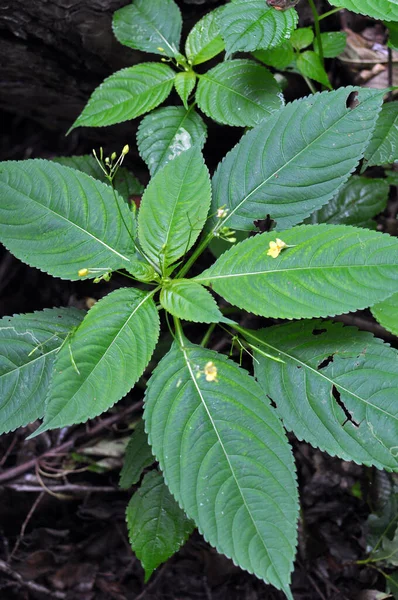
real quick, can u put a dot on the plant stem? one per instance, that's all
(329, 13)
(201, 248)
(207, 335)
(317, 30)
(179, 331)
(310, 84)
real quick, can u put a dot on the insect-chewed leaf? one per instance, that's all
(383, 147)
(336, 388)
(60, 220)
(174, 208)
(386, 10)
(127, 94)
(138, 456)
(331, 269)
(167, 132)
(103, 359)
(157, 525)
(151, 26)
(28, 346)
(251, 24)
(225, 458)
(386, 313)
(238, 92)
(204, 41)
(295, 160)
(189, 300)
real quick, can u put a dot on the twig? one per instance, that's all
(25, 523)
(31, 585)
(59, 489)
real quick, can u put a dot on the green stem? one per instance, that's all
(207, 335)
(329, 13)
(310, 84)
(317, 30)
(178, 330)
(199, 250)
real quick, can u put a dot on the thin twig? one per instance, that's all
(59, 489)
(31, 585)
(25, 523)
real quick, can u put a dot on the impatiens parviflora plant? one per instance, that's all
(216, 431)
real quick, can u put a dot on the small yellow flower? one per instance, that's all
(125, 150)
(221, 213)
(275, 248)
(82, 272)
(211, 371)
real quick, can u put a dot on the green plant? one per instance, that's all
(215, 429)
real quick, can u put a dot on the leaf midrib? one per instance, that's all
(184, 118)
(147, 19)
(266, 16)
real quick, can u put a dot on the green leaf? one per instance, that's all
(184, 84)
(248, 25)
(383, 147)
(174, 208)
(149, 25)
(279, 57)
(336, 388)
(167, 132)
(103, 359)
(310, 65)
(238, 92)
(225, 458)
(356, 203)
(386, 313)
(333, 43)
(60, 220)
(28, 346)
(188, 300)
(138, 457)
(157, 525)
(204, 41)
(296, 160)
(302, 38)
(386, 10)
(392, 35)
(331, 269)
(124, 182)
(127, 94)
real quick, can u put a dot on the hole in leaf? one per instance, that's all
(298, 366)
(352, 100)
(264, 225)
(337, 396)
(326, 362)
(273, 404)
(318, 331)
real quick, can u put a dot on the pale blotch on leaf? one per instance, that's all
(211, 371)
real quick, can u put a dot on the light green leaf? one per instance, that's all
(167, 132)
(103, 359)
(336, 388)
(28, 346)
(204, 41)
(302, 38)
(386, 313)
(386, 10)
(383, 147)
(157, 525)
(333, 43)
(356, 203)
(331, 269)
(138, 457)
(225, 459)
(238, 92)
(190, 301)
(295, 161)
(279, 57)
(184, 83)
(149, 25)
(392, 35)
(248, 25)
(309, 64)
(124, 182)
(127, 94)
(174, 208)
(60, 220)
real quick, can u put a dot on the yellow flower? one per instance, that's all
(211, 371)
(82, 272)
(276, 247)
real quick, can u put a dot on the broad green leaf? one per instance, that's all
(103, 359)
(157, 525)
(225, 458)
(238, 92)
(149, 25)
(386, 313)
(28, 346)
(127, 94)
(248, 25)
(167, 132)
(331, 269)
(124, 182)
(188, 300)
(296, 160)
(60, 220)
(174, 208)
(302, 38)
(386, 10)
(309, 64)
(356, 203)
(138, 457)
(336, 388)
(333, 43)
(279, 57)
(184, 83)
(204, 41)
(383, 147)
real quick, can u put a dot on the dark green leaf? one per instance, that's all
(383, 147)
(204, 41)
(309, 64)
(386, 10)
(386, 313)
(184, 83)
(190, 301)
(333, 43)
(279, 57)
(138, 457)
(302, 38)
